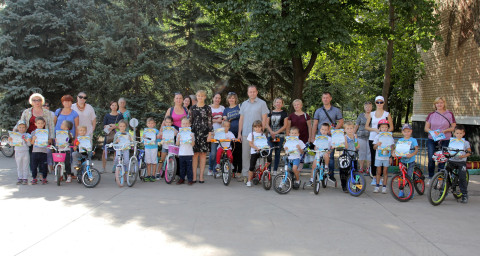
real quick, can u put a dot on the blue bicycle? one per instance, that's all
(355, 181)
(283, 183)
(86, 174)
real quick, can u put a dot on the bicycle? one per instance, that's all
(225, 165)
(262, 173)
(169, 165)
(5, 147)
(86, 174)
(401, 185)
(446, 178)
(135, 164)
(283, 183)
(355, 181)
(120, 167)
(319, 174)
(59, 168)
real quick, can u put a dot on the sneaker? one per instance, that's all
(381, 182)
(376, 190)
(384, 190)
(69, 179)
(325, 171)
(218, 174)
(310, 183)
(34, 182)
(249, 184)
(374, 182)
(180, 181)
(274, 173)
(239, 177)
(210, 173)
(157, 176)
(428, 182)
(19, 182)
(401, 194)
(44, 181)
(25, 182)
(217, 167)
(345, 190)
(152, 179)
(464, 199)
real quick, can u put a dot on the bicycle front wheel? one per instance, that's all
(356, 184)
(438, 189)
(119, 176)
(170, 169)
(7, 150)
(316, 182)
(402, 189)
(281, 184)
(132, 172)
(58, 173)
(226, 173)
(418, 181)
(91, 178)
(267, 180)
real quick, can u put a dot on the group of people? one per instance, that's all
(241, 123)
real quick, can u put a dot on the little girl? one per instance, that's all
(67, 126)
(22, 156)
(257, 131)
(119, 139)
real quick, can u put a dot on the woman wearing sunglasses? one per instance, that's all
(86, 113)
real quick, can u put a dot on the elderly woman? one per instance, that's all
(439, 120)
(122, 109)
(29, 115)
(66, 114)
(86, 113)
(363, 135)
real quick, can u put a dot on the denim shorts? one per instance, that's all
(294, 162)
(165, 150)
(379, 163)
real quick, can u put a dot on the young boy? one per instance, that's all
(324, 130)
(460, 162)
(229, 136)
(409, 159)
(168, 123)
(254, 154)
(39, 154)
(381, 161)
(22, 156)
(295, 155)
(122, 131)
(151, 151)
(67, 126)
(185, 155)
(351, 143)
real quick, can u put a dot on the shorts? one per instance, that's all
(165, 149)
(151, 156)
(294, 162)
(384, 163)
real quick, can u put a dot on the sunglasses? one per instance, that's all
(36, 100)
(232, 93)
(378, 102)
(47, 106)
(82, 97)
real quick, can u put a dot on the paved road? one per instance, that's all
(211, 219)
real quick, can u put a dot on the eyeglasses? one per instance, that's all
(37, 100)
(46, 106)
(82, 97)
(378, 102)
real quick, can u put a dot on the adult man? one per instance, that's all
(330, 115)
(250, 110)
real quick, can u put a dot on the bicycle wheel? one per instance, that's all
(324, 181)
(418, 181)
(170, 169)
(316, 181)
(267, 180)
(282, 185)
(226, 173)
(58, 173)
(369, 171)
(91, 178)
(438, 189)
(119, 176)
(7, 150)
(356, 184)
(132, 171)
(402, 190)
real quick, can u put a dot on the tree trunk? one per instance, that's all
(409, 103)
(300, 74)
(389, 60)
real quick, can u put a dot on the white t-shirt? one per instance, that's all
(186, 149)
(86, 117)
(217, 113)
(374, 123)
(229, 136)
(250, 138)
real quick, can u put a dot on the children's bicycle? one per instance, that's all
(355, 180)
(59, 168)
(135, 165)
(401, 185)
(447, 178)
(5, 147)
(225, 165)
(262, 173)
(169, 168)
(319, 174)
(283, 183)
(120, 167)
(86, 174)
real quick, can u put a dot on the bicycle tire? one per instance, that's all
(58, 173)
(226, 173)
(118, 176)
(267, 180)
(279, 186)
(324, 181)
(6, 149)
(418, 181)
(370, 172)
(397, 184)
(438, 184)
(316, 181)
(132, 172)
(170, 169)
(91, 182)
(356, 184)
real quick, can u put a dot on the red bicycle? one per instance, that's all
(262, 173)
(403, 187)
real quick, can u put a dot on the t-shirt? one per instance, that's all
(70, 117)
(374, 123)
(250, 138)
(301, 123)
(466, 146)
(229, 136)
(438, 122)
(362, 133)
(233, 115)
(217, 113)
(154, 146)
(109, 119)
(186, 149)
(86, 117)
(252, 111)
(377, 156)
(296, 154)
(413, 143)
(334, 113)
(351, 144)
(277, 120)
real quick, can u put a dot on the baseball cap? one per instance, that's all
(406, 126)
(379, 98)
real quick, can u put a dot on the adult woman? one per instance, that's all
(66, 114)
(232, 114)
(86, 113)
(439, 120)
(217, 114)
(363, 135)
(29, 115)
(187, 102)
(276, 125)
(122, 109)
(110, 122)
(177, 112)
(201, 120)
(373, 119)
(301, 120)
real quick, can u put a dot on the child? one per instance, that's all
(381, 161)
(22, 156)
(67, 126)
(460, 162)
(122, 130)
(82, 131)
(168, 122)
(351, 143)
(257, 131)
(229, 136)
(409, 159)
(151, 151)
(324, 130)
(185, 154)
(39, 154)
(295, 155)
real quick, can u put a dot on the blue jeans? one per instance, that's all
(279, 144)
(331, 165)
(431, 149)
(213, 156)
(186, 167)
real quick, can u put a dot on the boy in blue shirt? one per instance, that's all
(151, 150)
(409, 159)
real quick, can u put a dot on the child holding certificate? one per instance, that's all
(21, 141)
(382, 157)
(407, 148)
(150, 136)
(39, 152)
(256, 134)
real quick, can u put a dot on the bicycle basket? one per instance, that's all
(439, 157)
(309, 158)
(173, 150)
(344, 161)
(58, 157)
